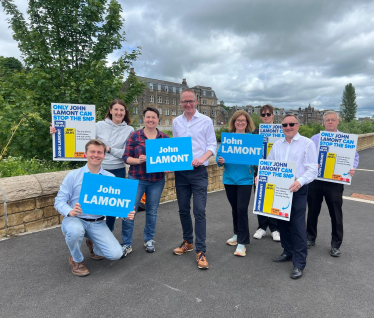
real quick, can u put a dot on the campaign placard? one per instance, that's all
(169, 154)
(336, 155)
(75, 125)
(105, 195)
(271, 133)
(245, 149)
(273, 197)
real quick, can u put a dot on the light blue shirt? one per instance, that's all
(70, 189)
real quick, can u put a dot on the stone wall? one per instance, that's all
(365, 141)
(28, 203)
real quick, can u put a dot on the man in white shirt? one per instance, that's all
(194, 182)
(299, 149)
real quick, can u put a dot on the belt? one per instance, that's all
(199, 167)
(93, 220)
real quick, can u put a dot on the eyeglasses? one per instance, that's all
(185, 102)
(290, 124)
(266, 114)
(332, 120)
(241, 121)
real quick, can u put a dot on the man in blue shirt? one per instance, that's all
(76, 224)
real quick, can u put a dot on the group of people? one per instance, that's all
(117, 144)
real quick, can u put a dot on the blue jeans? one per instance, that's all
(153, 191)
(104, 242)
(119, 173)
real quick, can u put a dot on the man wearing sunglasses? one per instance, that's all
(267, 117)
(194, 182)
(299, 149)
(333, 193)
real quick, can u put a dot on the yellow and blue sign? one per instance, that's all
(271, 133)
(105, 195)
(245, 149)
(169, 154)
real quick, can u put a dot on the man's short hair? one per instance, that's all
(331, 112)
(95, 142)
(268, 108)
(291, 115)
(189, 90)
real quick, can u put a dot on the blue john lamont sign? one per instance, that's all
(169, 154)
(104, 195)
(241, 148)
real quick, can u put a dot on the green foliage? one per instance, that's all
(348, 106)
(256, 119)
(356, 127)
(65, 45)
(222, 104)
(168, 132)
(220, 131)
(310, 129)
(18, 166)
(12, 63)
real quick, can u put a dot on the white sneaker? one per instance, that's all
(259, 234)
(276, 236)
(232, 241)
(240, 250)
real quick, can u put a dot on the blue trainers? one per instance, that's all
(126, 249)
(149, 246)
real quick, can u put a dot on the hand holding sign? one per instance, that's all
(76, 210)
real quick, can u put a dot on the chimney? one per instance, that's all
(184, 82)
(132, 70)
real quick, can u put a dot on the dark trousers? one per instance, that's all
(239, 200)
(264, 222)
(187, 183)
(333, 193)
(293, 233)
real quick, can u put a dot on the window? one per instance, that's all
(151, 99)
(197, 97)
(213, 104)
(160, 111)
(159, 87)
(174, 101)
(212, 94)
(174, 90)
(135, 109)
(179, 101)
(166, 122)
(180, 111)
(204, 93)
(180, 89)
(167, 112)
(150, 86)
(159, 122)
(166, 89)
(204, 101)
(159, 99)
(204, 111)
(213, 112)
(174, 112)
(136, 100)
(167, 100)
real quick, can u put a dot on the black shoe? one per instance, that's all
(296, 273)
(310, 243)
(335, 252)
(282, 258)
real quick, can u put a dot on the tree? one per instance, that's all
(222, 104)
(348, 106)
(13, 63)
(65, 45)
(256, 119)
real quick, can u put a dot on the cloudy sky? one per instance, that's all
(289, 53)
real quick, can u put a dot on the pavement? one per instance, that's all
(35, 277)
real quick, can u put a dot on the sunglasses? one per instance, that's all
(290, 124)
(266, 114)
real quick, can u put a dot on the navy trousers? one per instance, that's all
(293, 232)
(193, 183)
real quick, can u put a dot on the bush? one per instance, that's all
(220, 131)
(18, 166)
(168, 132)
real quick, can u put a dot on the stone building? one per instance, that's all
(165, 96)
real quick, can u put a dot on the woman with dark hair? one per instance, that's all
(238, 181)
(113, 131)
(152, 184)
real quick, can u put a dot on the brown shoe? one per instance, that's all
(185, 247)
(78, 269)
(92, 254)
(201, 261)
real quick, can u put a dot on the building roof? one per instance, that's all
(157, 81)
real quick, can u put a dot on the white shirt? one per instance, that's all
(302, 151)
(200, 129)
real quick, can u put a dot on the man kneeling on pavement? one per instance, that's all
(77, 224)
